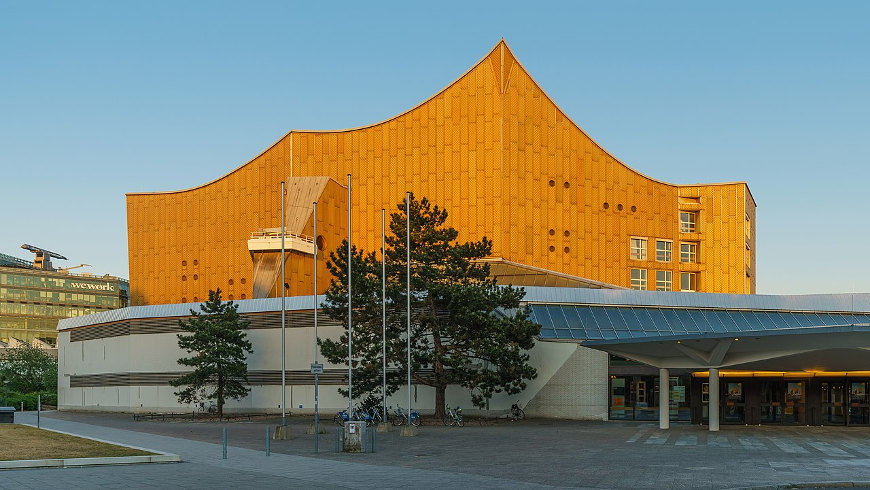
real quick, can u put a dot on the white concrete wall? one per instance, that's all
(571, 382)
(578, 388)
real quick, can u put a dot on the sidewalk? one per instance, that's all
(203, 467)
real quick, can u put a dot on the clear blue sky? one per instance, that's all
(102, 98)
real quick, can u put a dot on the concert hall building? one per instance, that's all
(638, 284)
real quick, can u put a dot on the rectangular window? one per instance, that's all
(638, 279)
(688, 281)
(663, 280)
(638, 248)
(688, 222)
(689, 253)
(663, 250)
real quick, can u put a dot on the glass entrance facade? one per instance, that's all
(786, 400)
(634, 392)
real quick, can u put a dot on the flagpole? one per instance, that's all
(349, 310)
(384, 303)
(408, 264)
(316, 374)
(283, 326)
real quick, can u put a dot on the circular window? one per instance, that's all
(567, 184)
(195, 262)
(321, 243)
(183, 263)
(183, 278)
(184, 299)
(633, 209)
(231, 282)
(567, 249)
(552, 183)
(243, 280)
(195, 277)
(552, 232)
(231, 297)
(566, 233)
(619, 207)
(552, 248)
(606, 205)
(243, 295)
(195, 299)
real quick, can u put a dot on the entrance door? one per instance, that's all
(795, 403)
(734, 412)
(771, 402)
(859, 410)
(833, 397)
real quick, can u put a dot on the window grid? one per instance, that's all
(688, 281)
(663, 250)
(638, 248)
(638, 279)
(664, 280)
(688, 222)
(689, 253)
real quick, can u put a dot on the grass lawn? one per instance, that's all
(22, 442)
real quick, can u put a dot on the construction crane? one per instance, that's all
(67, 269)
(43, 257)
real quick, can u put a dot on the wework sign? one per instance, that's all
(90, 286)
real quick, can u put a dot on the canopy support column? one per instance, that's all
(713, 396)
(664, 399)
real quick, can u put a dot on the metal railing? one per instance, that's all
(277, 235)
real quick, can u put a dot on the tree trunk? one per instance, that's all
(440, 413)
(438, 374)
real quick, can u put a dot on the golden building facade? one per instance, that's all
(496, 152)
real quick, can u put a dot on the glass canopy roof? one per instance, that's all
(602, 323)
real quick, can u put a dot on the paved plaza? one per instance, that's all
(525, 454)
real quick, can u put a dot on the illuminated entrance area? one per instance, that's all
(785, 398)
(751, 359)
(635, 392)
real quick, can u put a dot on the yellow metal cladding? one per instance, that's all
(494, 150)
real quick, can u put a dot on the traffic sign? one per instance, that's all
(316, 368)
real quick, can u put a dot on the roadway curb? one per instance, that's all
(826, 484)
(158, 457)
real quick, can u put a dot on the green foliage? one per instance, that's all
(28, 369)
(219, 344)
(30, 399)
(465, 329)
(367, 324)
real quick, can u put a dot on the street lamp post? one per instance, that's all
(6, 395)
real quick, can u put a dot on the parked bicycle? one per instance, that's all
(401, 417)
(207, 406)
(453, 417)
(517, 413)
(370, 417)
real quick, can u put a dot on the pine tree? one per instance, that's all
(465, 329)
(219, 344)
(367, 324)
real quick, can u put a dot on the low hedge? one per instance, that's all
(15, 399)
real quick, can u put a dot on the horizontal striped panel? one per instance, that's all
(335, 377)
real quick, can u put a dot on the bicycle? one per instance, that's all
(400, 417)
(516, 412)
(207, 406)
(454, 417)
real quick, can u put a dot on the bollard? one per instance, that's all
(225, 442)
(268, 442)
(38, 409)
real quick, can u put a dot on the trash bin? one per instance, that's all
(7, 415)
